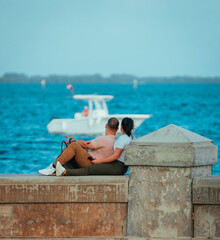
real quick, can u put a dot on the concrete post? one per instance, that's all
(161, 167)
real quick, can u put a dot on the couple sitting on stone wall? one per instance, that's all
(106, 156)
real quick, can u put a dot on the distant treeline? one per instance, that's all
(97, 78)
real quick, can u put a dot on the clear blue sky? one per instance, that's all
(140, 37)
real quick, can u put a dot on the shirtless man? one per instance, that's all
(101, 148)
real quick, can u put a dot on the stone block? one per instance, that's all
(34, 206)
(37, 188)
(207, 221)
(162, 165)
(206, 190)
(171, 146)
(159, 202)
(112, 238)
(63, 220)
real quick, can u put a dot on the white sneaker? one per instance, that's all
(59, 169)
(48, 171)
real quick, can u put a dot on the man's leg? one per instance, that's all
(72, 164)
(113, 168)
(75, 150)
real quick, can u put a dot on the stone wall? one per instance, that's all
(48, 207)
(39, 206)
(206, 201)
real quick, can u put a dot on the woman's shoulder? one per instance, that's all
(125, 137)
(123, 141)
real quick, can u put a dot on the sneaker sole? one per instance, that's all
(53, 174)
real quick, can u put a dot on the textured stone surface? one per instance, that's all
(206, 190)
(159, 202)
(206, 221)
(162, 165)
(43, 206)
(201, 171)
(112, 238)
(37, 188)
(171, 146)
(63, 220)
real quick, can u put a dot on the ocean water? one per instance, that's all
(26, 109)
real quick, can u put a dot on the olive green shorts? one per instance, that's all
(111, 168)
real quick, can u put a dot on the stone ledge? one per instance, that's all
(52, 189)
(206, 190)
(111, 238)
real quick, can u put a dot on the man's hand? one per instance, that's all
(68, 138)
(97, 161)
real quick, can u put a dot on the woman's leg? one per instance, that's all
(72, 164)
(75, 150)
(113, 168)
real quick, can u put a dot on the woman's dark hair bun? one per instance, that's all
(127, 125)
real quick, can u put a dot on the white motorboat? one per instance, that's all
(94, 123)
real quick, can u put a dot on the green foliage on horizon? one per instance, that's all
(97, 78)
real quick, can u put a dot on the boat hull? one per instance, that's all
(89, 126)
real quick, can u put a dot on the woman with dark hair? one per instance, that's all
(113, 165)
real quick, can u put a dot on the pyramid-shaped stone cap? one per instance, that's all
(171, 146)
(172, 134)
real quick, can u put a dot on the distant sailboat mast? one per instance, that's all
(135, 84)
(43, 83)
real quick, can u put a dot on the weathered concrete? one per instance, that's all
(59, 220)
(172, 146)
(38, 206)
(207, 221)
(162, 165)
(206, 199)
(159, 202)
(38, 188)
(206, 190)
(112, 238)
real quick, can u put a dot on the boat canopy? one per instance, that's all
(93, 97)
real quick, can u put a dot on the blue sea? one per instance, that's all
(26, 109)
